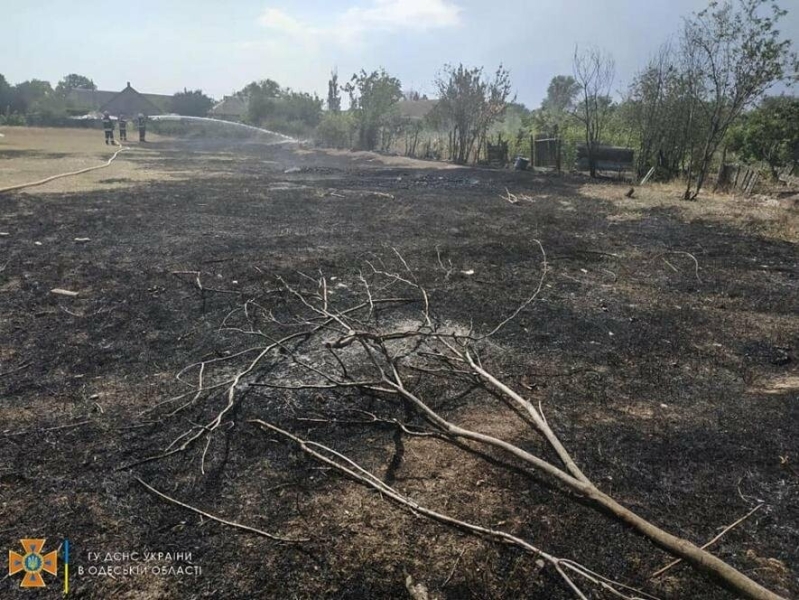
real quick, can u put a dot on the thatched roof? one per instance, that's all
(130, 102)
(129, 98)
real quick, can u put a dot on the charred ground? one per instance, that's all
(675, 388)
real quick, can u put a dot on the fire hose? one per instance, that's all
(60, 175)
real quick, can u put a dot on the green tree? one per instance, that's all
(555, 111)
(769, 134)
(268, 88)
(260, 96)
(300, 107)
(333, 93)
(336, 130)
(662, 115)
(470, 104)
(6, 95)
(732, 53)
(73, 81)
(282, 109)
(373, 98)
(28, 93)
(192, 103)
(561, 94)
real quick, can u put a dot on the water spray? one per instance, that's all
(284, 138)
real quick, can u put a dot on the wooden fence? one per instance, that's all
(737, 178)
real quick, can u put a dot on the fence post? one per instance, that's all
(558, 146)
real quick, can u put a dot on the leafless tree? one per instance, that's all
(594, 71)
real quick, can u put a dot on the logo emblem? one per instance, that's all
(32, 563)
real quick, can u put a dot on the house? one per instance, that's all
(231, 108)
(128, 102)
(131, 102)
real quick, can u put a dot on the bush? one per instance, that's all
(13, 120)
(199, 130)
(335, 131)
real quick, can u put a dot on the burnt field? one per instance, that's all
(662, 348)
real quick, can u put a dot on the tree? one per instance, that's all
(561, 94)
(594, 72)
(469, 104)
(192, 103)
(73, 81)
(300, 108)
(282, 109)
(770, 134)
(373, 96)
(732, 54)
(335, 130)
(557, 107)
(268, 88)
(333, 94)
(662, 115)
(28, 93)
(260, 96)
(6, 95)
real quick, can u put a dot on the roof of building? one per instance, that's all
(130, 102)
(88, 99)
(233, 106)
(99, 100)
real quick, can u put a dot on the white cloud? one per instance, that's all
(403, 14)
(274, 18)
(349, 26)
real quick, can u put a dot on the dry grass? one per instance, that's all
(29, 154)
(773, 218)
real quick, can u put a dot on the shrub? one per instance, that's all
(335, 131)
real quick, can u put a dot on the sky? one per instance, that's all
(164, 46)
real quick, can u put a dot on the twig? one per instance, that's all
(60, 427)
(452, 570)
(260, 532)
(22, 367)
(526, 303)
(682, 252)
(724, 532)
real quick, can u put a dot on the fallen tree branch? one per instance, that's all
(354, 471)
(374, 359)
(233, 524)
(724, 532)
(48, 429)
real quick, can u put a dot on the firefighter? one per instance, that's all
(123, 128)
(142, 123)
(108, 127)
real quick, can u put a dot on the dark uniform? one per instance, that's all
(142, 123)
(123, 129)
(108, 127)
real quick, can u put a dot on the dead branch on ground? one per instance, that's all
(343, 348)
(353, 470)
(226, 522)
(720, 535)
